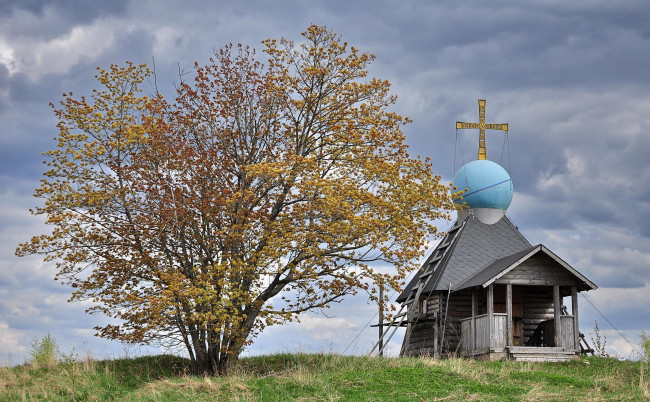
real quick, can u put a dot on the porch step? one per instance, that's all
(540, 354)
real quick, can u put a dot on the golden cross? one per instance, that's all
(481, 125)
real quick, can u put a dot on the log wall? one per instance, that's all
(422, 337)
(423, 333)
(460, 307)
(538, 307)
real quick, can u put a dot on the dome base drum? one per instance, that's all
(489, 216)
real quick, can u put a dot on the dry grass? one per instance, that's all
(45, 380)
(328, 377)
(465, 368)
(538, 392)
(161, 389)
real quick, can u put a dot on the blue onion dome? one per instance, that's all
(488, 185)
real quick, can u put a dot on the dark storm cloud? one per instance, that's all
(599, 179)
(22, 89)
(31, 126)
(79, 11)
(501, 46)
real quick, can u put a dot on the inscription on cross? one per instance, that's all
(482, 126)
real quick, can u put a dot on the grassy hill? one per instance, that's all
(316, 377)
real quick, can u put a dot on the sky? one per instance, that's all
(571, 78)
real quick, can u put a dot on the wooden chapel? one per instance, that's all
(486, 291)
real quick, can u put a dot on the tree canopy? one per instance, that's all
(261, 191)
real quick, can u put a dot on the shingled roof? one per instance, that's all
(475, 247)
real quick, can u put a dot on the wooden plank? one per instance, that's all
(531, 282)
(541, 270)
(509, 328)
(490, 313)
(482, 338)
(465, 329)
(574, 308)
(498, 336)
(474, 314)
(538, 273)
(567, 334)
(435, 340)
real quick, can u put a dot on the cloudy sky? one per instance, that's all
(571, 78)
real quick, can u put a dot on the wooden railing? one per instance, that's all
(481, 338)
(566, 338)
(477, 339)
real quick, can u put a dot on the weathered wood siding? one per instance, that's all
(481, 334)
(422, 340)
(499, 331)
(467, 333)
(567, 334)
(539, 270)
(536, 307)
(460, 307)
(567, 337)
(423, 332)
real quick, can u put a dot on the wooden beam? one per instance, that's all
(509, 315)
(474, 314)
(435, 338)
(574, 308)
(531, 282)
(490, 313)
(556, 315)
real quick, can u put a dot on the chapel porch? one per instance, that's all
(496, 330)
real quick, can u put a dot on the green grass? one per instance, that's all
(324, 377)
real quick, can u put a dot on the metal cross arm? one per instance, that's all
(482, 126)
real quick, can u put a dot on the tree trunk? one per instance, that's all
(213, 352)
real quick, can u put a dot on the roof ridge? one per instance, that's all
(518, 232)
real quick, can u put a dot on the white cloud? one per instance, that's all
(326, 328)
(11, 344)
(7, 56)
(59, 54)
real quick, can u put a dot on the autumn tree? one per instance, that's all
(260, 192)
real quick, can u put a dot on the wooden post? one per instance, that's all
(474, 314)
(574, 308)
(435, 336)
(381, 318)
(509, 314)
(490, 315)
(556, 315)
